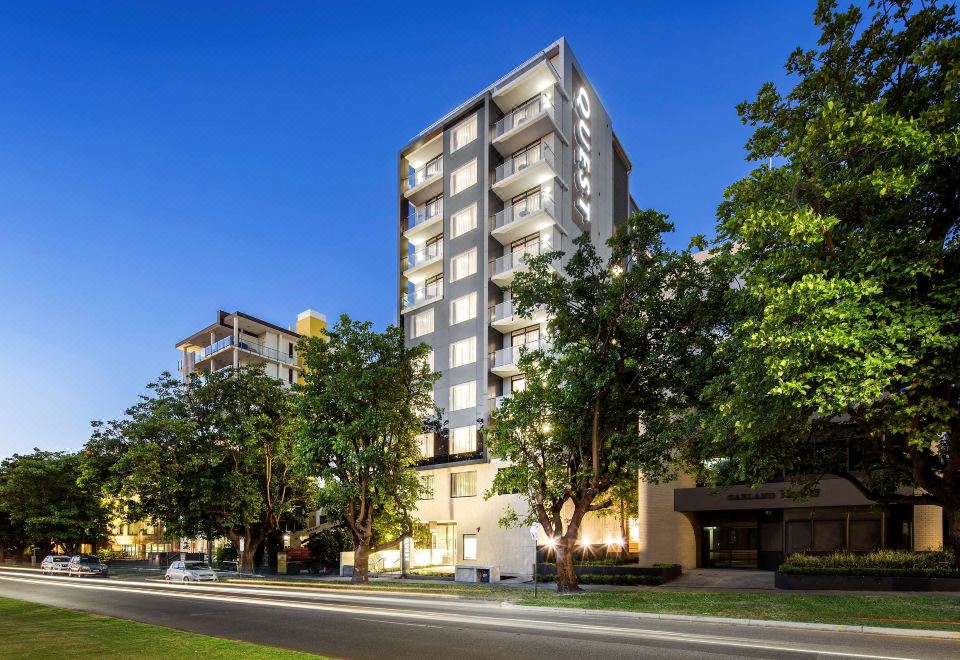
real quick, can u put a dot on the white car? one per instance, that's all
(190, 571)
(54, 564)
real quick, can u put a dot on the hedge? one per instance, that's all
(882, 563)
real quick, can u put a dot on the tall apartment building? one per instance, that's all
(238, 339)
(523, 167)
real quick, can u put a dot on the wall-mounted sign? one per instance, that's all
(581, 152)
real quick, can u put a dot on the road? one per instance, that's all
(355, 625)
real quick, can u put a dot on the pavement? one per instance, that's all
(365, 625)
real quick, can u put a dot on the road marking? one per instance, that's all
(537, 625)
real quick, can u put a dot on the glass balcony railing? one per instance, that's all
(247, 345)
(501, 311)
(525, 113)
(427, 213)
(429, 171)
(519, 256)
(510, 356)
(422, 295)
(423, 255)
(521, 161)
(215, 347)
(526, 207)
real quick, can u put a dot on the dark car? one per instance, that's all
(90, 565)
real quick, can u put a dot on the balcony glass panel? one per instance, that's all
(524, 159)
(429, 171)
(518, 256)
(523, 114)
(430, 211)
(511, 355)
(523, 208)
(423, 294)
(423, 255)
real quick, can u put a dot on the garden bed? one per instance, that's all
(609, 574)
(883, 570)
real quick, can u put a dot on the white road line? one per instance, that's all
(524, 624)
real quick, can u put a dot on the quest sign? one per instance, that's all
(582, 151)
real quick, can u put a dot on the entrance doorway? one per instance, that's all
(730, 545)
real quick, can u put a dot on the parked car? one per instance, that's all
(81, 565)
(54, 564)
(190, 571)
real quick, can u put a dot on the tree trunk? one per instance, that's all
(361, 561)
(953, 531)
(251, 543)
(566, 575)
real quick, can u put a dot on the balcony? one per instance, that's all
(529, 168)
(248, 346)
(424, 263)
(534, 213)
(425, 182)
(503, 318)
(442, 456)
(422, 296)
(504, 268)
(505, 362)
(533, 119)
(425, 222)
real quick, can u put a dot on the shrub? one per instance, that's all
(224, 553)
(881, 562)
(625, 580)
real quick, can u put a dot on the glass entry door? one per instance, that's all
(730, 545)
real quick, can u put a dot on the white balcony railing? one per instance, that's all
(526, 158)
(423, 255)
(524, 114)
(422, 295)
(246, 345)
(427, 172)
(510, 356)
(518, 257)
(524, 208)
(427, 213)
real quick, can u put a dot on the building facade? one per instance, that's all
(525, 166)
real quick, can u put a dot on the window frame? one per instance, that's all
(454, 190)
(414, 330)
(455, 320)
(454, 147)
(452, 399)
(454, 475)
(472, 209)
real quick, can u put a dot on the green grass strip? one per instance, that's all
(29, 630)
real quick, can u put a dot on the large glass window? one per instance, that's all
(425, 442)
(463, 352)
(463, 177)
(463, 439)
(463, 133)
(463, 221)
(463, 396)
(423, 323)
(463, 484)
(463, 264)
(463, 308)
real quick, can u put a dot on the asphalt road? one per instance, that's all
(353, 625)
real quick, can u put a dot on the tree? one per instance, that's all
(627, 343)
(213, 456)
(42, 503)
(360, 409)
(845, 354)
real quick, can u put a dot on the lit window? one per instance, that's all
(463, 352)
(463, 308)
(463, 396)
(426, 481)
(463, 484)
(423, 323)
(463, 221)
(425, 442)
(463, 177)
(427, 360)
(469, 546)
(463, 264)
(463, 133)
(463, 439)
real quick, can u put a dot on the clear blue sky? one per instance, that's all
(162, 160)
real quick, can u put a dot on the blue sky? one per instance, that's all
(162, 160)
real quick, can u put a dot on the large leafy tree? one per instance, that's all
(846, 238)
(214, 456)
(42, 504)
(360, 407)
(630, 337)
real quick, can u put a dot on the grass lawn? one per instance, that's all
(929, 612)
(28, 630)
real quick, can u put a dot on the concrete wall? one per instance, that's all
(666, 535)
(927, 527)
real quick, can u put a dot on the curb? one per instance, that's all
(761, 623)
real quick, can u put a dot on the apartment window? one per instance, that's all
(463, 308)
(469, 546)
(428, 360)
(463, 264)
(426, 481)
(433, 286)
(425, 443)
(463, 352)
(525, 336)
(463, 177)
(527, 245)
(463, 396)
(463, 439)
(423, 323)
(290, 349)
(290, 376)
(518, 383)
(463, 484)
(463, 221)
(463, 133)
